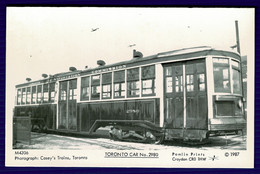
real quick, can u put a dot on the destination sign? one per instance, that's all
(64, 77)
(109, 69)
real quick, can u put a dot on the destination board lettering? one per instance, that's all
(109, 69)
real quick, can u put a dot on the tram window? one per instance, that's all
(201, 76)
(200, 67)
(52, 92)
(72, 89)
(133, 88)
(39, 93)
(33, 94)
(106, 85)
(178, 84)
(45, 93)
(201, 82)
(85, 88)
(63, 91)
(106, 91)
(148, 76)
(168, 84)
(221, 75)
(237, 89)
(133, 82)
(148, 87)
(189, 68)
(190, 83)
(23, 95)
(95, 87)
(119, 84)
(168, 71)
(119, 89)
(19, 96)
(28, 95)
(178, 77)
(168, 79)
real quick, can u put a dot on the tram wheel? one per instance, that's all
(159, 140)
(153, 138)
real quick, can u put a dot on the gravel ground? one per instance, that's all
(100, 140)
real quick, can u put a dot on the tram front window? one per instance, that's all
(227, 79)
(221, 75)
(236, 77)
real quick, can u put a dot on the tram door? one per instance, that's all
(67, 105)
(185, 95)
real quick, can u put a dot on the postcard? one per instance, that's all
(130, 87)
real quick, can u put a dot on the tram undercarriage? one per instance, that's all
(136, 134)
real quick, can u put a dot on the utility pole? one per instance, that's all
(237, 37)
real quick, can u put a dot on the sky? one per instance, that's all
(51, 39)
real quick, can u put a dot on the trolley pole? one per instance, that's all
(237, 37)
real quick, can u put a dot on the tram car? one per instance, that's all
(182, 94)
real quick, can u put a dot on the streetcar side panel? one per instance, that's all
(118, 112)
(42, 116)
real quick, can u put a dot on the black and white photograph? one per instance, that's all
(130, 87)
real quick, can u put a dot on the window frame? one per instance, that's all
(52, 91)
(34, 98)
(107, 81)
(45, 93)
(146, 76)
(133, 78)
(168, 79)
(19, 96)
(72, 89)
(121, 91)
(28, 95)
(238, 69)
(85, 86)
(121, 81)
(23, 99)
(135, 90)
(96, 85)
(222, 66)
(63, 96)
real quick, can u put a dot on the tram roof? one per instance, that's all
(174, 55)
